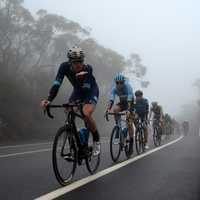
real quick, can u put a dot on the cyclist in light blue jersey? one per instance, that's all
(124, 91)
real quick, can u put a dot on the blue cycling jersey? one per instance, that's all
(83, 86)
(142, 106)
(125, 93)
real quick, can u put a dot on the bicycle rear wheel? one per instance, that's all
(115, 144)
(156, 137)
(64, 156)
(92, 161)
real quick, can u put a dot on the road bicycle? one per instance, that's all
(68, 152)
(139, 135)
(157, 132)
(119, 139)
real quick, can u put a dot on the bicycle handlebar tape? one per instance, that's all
(49, 113)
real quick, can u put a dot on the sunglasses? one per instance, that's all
(119, 82)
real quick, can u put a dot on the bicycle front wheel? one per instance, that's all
(138, 142)
(115, 144)
(64, 156)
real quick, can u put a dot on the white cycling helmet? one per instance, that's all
(76, 54)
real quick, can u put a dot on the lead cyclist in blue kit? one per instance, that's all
(85, 89)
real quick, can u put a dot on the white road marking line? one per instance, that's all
(31, 152)
(77, 184)
(32, 144)
(24, 145)
(23, 153)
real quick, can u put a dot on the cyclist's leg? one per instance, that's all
(129, 122)
(88, 110)
(77, 97)
(130, 126)
(117, 108)
(161, 124)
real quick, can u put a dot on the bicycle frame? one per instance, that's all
(76, 151)
(118, 123)
(139, 124)
(71, 119)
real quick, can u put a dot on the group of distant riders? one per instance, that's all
(86, 90)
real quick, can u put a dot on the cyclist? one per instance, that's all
(168, 124)
(142, 109)
(157, 113)
(85, 89)
(124, 91)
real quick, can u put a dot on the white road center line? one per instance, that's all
(23, 153)
(34, 144)
(31, 152)
(24, 145)
(77, 184)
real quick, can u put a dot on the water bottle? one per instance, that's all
(84, 136)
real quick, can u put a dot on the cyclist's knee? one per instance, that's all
(88, 109)
(116, 109)
(129, 123)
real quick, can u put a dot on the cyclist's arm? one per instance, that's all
(112, 98)
(56, 84)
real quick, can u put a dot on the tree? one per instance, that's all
(31, 48)
(135, 69)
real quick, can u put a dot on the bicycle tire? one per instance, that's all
(115, 131)
(70, 140)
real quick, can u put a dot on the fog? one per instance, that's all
(156, 42)
(164, 33)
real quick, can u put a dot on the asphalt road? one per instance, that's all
(168, 173)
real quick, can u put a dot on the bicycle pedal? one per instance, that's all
(68, 157)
